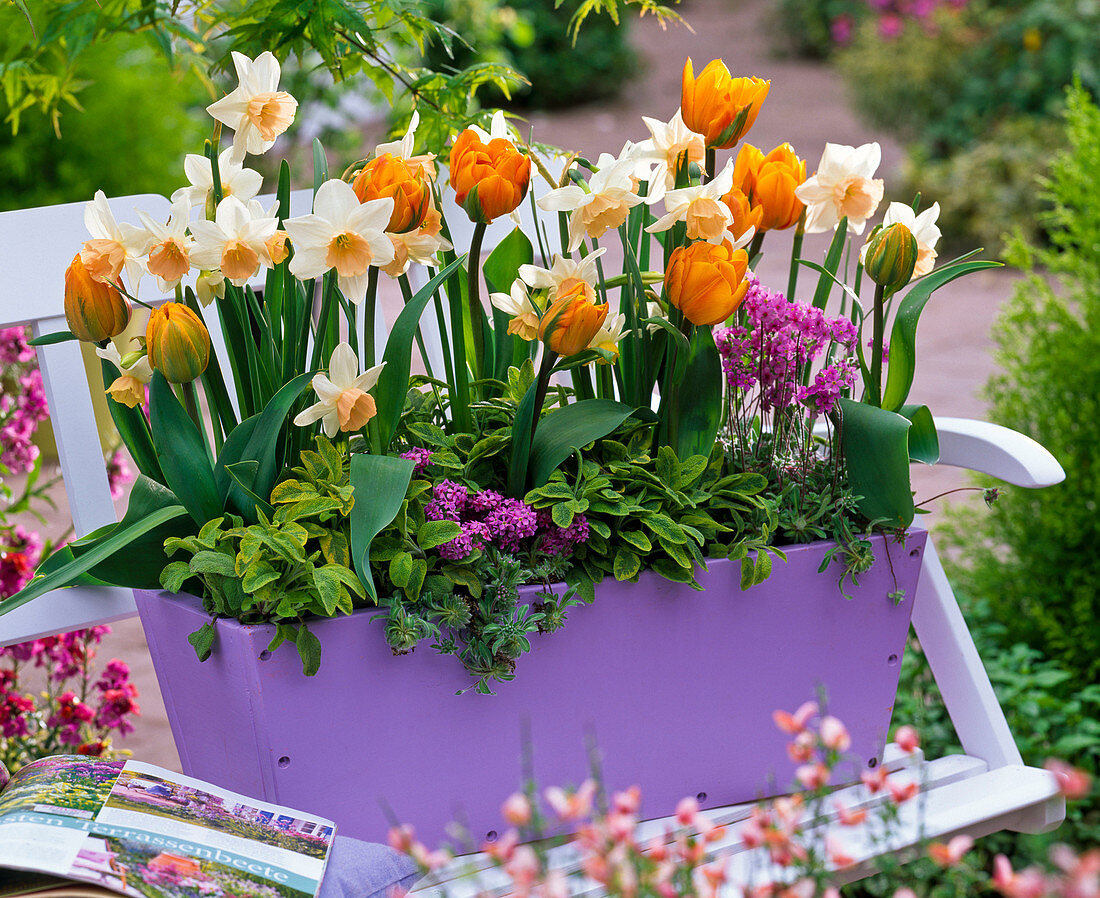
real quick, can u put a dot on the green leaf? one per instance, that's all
(379, 482)
(700, 397)
(665, 528)
(65, 575)
(182, 452)
(562, 515)
(133, 429)
(202, 640)
(502, 266)
(832, 263)
(627, 564)
(637, 539)
(570, 428)
(876, 450)
(50, 339)
(393, 383)
(309, 650)
(903, 336)
(256, 439)
(526, 414)
(174, 575)
(924, 442)
(436, 533)
(401, 566)
(207, 562)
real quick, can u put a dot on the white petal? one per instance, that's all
(343, 365)
(111, 354)
(307, 416)
(368, 378)
(326, 390)
(355, 288)
(336, 201)
(565, 199)
(309, 261)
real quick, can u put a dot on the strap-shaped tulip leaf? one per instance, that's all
(393, 382)
(876, 451)
(379, 483)
(700, 398)
(924, 442)
(501, 270)
(68, 574)
(903, 337)
(570, 428)
(184, 457)
(133, 429)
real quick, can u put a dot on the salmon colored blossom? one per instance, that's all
(707, 282)
(950, 853)
(603, 206)
(568, 326)
(129, 387)
(94, 310)
(256, 110)
(489, 179)
(403, 182)
(343, 401)
(843, 186)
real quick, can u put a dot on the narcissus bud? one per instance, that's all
(707, 282)
(490, 179)
(572, 320)
(177, 342)
(720, 107)
(891, 256)
(95, 311)
(392, 176)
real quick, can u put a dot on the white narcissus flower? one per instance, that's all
(169, 245)
(668, 141)
(114, 248)
(344, 403)
(654, 310)
(344, 234)
(256, 110)
(525, 315)
(498, 129)
(605, 205)
(843, 185)
(129, 387)
(609, 335)
(235, 241)
(238, 181)
(701, 206)
(562, 270)
(923, 228)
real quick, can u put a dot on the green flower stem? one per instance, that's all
(582, 382)
(406, 295)
(549, 359)
(710, 162)
(370, 316)
(876, 347)
(191, 404)
(796, 254)
(754, 247)
(473, 294)
(460, 392)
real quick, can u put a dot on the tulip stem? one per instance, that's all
(711, 161)
(370, 316)
(473, 295)
(191, 404)
(876, 346)
(549, 359)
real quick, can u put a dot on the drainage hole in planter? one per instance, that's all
(914, 553)
(892, 660)
(264, 655)
(701, 797)
(873, 762)
(491, 836)
(284, 761)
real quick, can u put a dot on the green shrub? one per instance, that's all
(534, 37)
(1034, 556)
(811, 28)
(137, 122)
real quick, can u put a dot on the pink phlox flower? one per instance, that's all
(557, 540)
(902, 792)
(572, 805)
(628, 801)
(849, 816)
(797, 722)
(501, 849)
(907, 739)
(875, 780)
(950, 853)
(118, 474)
(1073, 782)
(812, 776)
(837, 852)
(687, 810)
(834, 735)
(516, 809)
(1027, 883)
(420, 457)
(14, 349)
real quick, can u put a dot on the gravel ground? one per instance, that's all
(806, 106)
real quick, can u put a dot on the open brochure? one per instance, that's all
(134, 829)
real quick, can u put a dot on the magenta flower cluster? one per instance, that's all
(420, 457)
(777, 344)
(488, 518)
(76, 709)
(23, 403)
(20, 550)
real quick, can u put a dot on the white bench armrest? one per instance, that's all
(998, 451)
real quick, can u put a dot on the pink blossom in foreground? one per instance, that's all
(949, 854)
(1073, 782)
(907, 739)
(797, 722)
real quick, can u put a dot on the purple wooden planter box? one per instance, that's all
(676, 688)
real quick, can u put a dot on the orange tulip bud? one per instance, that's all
(720, 107)
(491, 179)
(573, 319)
(777, 176)
(749, 160)
(707, 282)
(744, 215)
(94, 310)
(392, 176)
(177, 342)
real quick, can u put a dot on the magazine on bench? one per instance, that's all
(78, 827)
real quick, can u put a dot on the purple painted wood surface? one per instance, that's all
(675, 687)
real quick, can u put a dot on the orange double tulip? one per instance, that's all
(706, 281)
(404, 182)
(177, 342)
(572, 320)
(490, 179)
(770, 182)
(94, 310)
(718, 106)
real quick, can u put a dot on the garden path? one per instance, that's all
(807, 106)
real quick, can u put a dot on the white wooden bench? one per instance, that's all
(985, 790)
